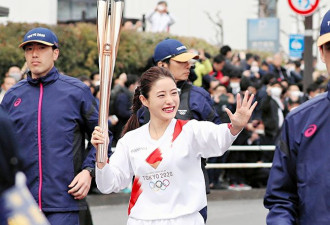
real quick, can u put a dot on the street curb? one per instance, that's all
(215, 195)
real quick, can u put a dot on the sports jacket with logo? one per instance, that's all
(298, 190)
(169, 182)
(52, 114)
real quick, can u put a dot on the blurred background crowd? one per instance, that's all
(275, 80)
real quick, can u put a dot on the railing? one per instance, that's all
(243, 165)
(240, 165)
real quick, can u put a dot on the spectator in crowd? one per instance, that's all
(52, 112)
(236, 59)
(234, 81)
(293, 96)
(255, 75)
(296, 75)
(210, 83)
(264, 68)
(228, 68)
(279, 70)
(222, 100)
(247, 62)
(293, 102)
(89, 84)
(8, 82)
(160, 19)
(95, 78)
(273, 111)
(219, 62)
(167, 146)
(122, 105)
(238, 178)
(312, 90)
(129, 25)
(202, 67)
(15, 72)
(298, 186)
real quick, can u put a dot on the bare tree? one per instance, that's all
(267, 8)
(218, 23)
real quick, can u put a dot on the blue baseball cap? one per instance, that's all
(324, 30)
(174, 49)
(40, 35)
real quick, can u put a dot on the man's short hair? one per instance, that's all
(225, 49)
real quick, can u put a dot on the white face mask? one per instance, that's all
(276, 92)
(234, 85)
(17, 76)
(296, 94)
(160, 7)
(254, 69)
(97, 83)
(259, 131)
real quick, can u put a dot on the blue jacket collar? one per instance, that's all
(51, 77)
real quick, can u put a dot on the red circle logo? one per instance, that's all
(17, 102)
(304, 7)
(310, 130)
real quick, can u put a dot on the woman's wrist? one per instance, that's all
(100, 165)
(234, 130)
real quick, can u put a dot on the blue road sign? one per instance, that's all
(296, 45)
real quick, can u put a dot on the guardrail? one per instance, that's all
(240, 165)
(243, 165)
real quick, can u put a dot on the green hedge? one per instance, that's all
(78, 48)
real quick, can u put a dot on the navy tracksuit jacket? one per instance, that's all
(298, 190)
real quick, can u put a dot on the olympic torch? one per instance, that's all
(109, 15)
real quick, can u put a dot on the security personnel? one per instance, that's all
(298, 185)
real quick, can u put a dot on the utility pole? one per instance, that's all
(308, 52)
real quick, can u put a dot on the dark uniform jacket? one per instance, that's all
(298, 190)
(51, 116)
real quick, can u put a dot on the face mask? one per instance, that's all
(160, 7)
(276, 92)
(17, 76)
(97, 83)
(260, 131)
(234, 85)
(254, 69)
(295, 94)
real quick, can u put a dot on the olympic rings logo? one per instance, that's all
(159, 185)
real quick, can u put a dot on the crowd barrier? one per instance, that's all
(243, 165)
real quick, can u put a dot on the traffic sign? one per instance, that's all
(296, 45)
(304, 7)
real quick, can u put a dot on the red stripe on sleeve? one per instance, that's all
(136, 191)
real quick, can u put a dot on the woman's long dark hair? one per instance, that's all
(146, 82)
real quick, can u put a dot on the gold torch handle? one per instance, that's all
(109, 24)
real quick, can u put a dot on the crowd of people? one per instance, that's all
(184, 111)
(275, 82)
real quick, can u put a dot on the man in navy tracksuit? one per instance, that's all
(52, 112)
(298, 190)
